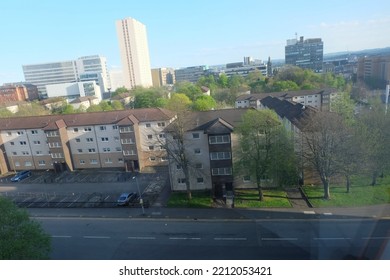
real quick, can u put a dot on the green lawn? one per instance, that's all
(199, 200)
(361, 193)
(250, 199)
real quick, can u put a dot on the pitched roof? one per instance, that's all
(283, 94)
(296, 113)
(81, 119)
(82, 99)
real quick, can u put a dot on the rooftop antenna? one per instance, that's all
(296, 36)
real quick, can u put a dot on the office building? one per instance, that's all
(72, 91)
(134, 51)
(190, 74)
(163, 76)
(69, 71)
(307, 54)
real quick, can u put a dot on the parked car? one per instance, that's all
(125, 199)
(21, 175)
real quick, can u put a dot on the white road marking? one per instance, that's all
(376, 237)
(331, 238)
(184, 238)
(141, 237)
(328, 214)
(309, 212)
(97, 237)
(230, 238)
(61, 236)
(279, 238)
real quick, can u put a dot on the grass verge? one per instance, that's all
(250, 199)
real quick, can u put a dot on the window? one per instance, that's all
(14, 153)
(148, 125)
(128, 152)
(221, 171)
(108, 160)
(80, 150)
(161, 124)
(127, 141)
(25, 153)
(87, 129)
(198, 166)
(220, 155)
(37, 142)
(20, 132)
(52, 134)
(162, 147)
(103, 127)
(78, 140)
(200, 180)
(28, 163)
(197, 151)
(39, 152)
(106, 150)
(164, 158)
(75, 129)
(54, 145)
(23, 143)
(151, 148)
(41, 162)
(9, 133)
(91, 150)
(126, 129)
(34, 132)
(115, 127)
(57, 155)
(89, 139)
(178, 167)
(150, 136)
(161, 135)
(181, 180)
(17, 163)
(152, 158)
(120, 160)
(12, 143)
(118, 149)
(116, 138)
(93, 161)
(104, 139)
(246, 179)
(195, 135)
(220, 139)
(82, 161)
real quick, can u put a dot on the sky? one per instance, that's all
(183, 33)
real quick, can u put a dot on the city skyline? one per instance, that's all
(182, 34)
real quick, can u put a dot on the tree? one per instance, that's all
(119, 90)
(189, 89)
(20, 237)
(175, 142)
(343, 105)
(204, 103)
(373, 130)
(323, 138)
(117, 105)
(258, 138)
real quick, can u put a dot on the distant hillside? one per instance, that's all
(379, 51)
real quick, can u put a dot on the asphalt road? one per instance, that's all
(99, 238)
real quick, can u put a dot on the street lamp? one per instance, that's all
(140, 196)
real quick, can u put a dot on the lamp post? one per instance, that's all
(140, 195)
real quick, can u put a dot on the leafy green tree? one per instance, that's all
(105, 106)
(117, 105)
(189, 89)
(119, 90)
(209, 82)
(204, 103)
(223, 81)
(20, 237)
(343, 105)
(259, 136)
(179, 103)
(94, 108)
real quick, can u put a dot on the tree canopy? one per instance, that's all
(20, 237)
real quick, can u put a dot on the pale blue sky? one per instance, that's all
(183, 33)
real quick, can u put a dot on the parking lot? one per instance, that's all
(81, 189)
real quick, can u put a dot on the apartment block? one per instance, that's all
(209, 142)
(115, 139)
(319, 99)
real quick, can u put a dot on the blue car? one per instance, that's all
(21, 175)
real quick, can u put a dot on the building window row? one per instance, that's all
(220, 155)
(219, 139)
(221, 171)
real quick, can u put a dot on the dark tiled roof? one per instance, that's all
(205, 120)
(95, 118)
(296, 113)
(283, 94)
(83, 98)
